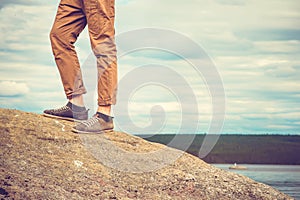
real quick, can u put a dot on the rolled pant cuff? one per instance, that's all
(77, 93)
(106, 102)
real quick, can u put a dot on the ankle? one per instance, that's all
(77, 100)
(104, 110)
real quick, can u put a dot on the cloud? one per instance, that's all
(269, 34)
(283, 71)
(278, 46)
(12, 88)
(254, 44)
(231, 2)
(4, 3)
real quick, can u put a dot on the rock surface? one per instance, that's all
(42, 159)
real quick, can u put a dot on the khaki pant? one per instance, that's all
(72, 17)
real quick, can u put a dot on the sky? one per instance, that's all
(253, 45)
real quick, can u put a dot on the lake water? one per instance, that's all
(285, 178)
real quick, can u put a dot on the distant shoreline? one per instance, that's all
(245, 149)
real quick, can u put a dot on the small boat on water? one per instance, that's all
(237, 167)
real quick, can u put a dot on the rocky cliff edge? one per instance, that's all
(42, 159)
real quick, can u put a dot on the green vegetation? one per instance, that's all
(250, 149)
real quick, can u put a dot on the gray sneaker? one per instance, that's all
(67, 113)
(99, 123)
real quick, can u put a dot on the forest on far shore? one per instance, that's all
(246, 149)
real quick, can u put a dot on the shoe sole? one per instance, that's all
(62, 118)
(85, 132)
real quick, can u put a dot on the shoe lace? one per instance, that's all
(62, 109)
(90, 122)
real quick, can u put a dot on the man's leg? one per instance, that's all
(100, 18)
(102, 36)
(69, 23)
